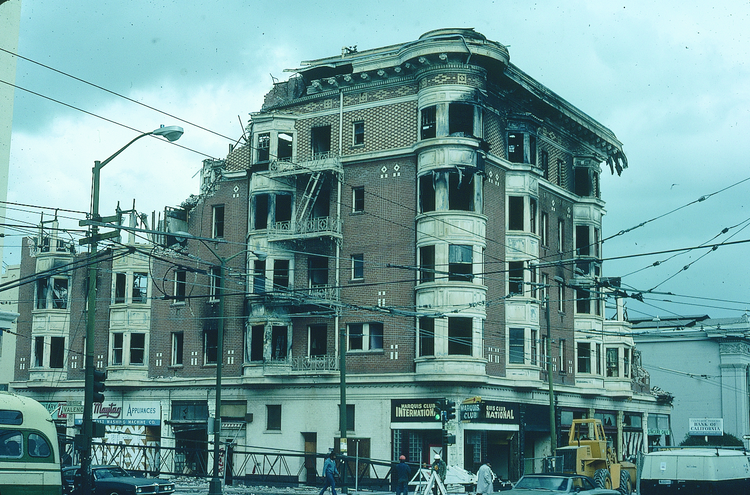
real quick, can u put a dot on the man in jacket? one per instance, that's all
(329, 470)
(403, 475)
(440, 469)
(484, 478)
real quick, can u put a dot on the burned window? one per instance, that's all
(318, 339)
(317, 271)
(41, 293)
(426, 264)
(284, 147)
(358, 138)
(460, 191)
(515, 278)
(320, 141)
(459, 336)
(278, 342)
(515, 147)
(613, 357)
(38, 352)
(283, 210)
(60, 293)
(460, 263)
(57, 352)
(120, 280)
(515, 213)
(516, 343)
(583, 244)
(322, 206)
(582, 182)
(259, 276)
(428, 122)
(461, 119)
(140, 288)
(426, 193)
(257, 335)
(545, 229)
(544, 163)
(118, 342)
(210, 342)
(583, 301)
(264, 145)
(214, 273)
(426, 336)
(365, 336)
(260, 211)
(180, 285)
(280, 274)
(218, 221)
(178, 339)
(532, 215)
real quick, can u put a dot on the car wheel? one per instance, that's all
(113, 492)
(602, 478)
(626, 483)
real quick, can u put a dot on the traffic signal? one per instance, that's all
(450, 410)
(99, 377)
(439, 409)
(448, 439)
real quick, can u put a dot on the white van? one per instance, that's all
(702, 471)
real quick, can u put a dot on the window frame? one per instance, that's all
(218, 221)
(428, 122)
(460, 269)
(358, 133)
(516, 341)
(371, 333)
(516, 268)
(358, 199)
(584, 358)
(459, 341)
(178, 349)
(358, 266)
(180, 286)
(273, 417)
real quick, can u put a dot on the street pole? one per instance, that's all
(342, 416)
(172, 133)
(552, 429)
(214, 486)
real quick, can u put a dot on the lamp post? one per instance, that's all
(171, 133)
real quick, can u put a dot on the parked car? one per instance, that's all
(113, 480)
(536, 484)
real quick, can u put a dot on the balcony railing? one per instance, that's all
(312, 227)
(319, 162)
(327, 362)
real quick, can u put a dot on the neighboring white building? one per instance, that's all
(8, 316)
(704, 363)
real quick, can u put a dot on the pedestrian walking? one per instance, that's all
(329, 471)
(438, 465)
(484, 478)
(403, 475)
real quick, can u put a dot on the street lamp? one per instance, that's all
(171, 133)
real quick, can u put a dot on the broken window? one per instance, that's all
(515, 213)
(120, 280)
(532, 215)
(561, 297)
(41, 293)
(582, 181)
(584, 357)
(137, 348)
(280, 274)
(426, 336)
(460, 263)
(214, 273)
(544, 163)
(358, 133)
(283, 210)
(426, 264)
(426, 193)
(461, 119)
(317, 271)
(533, 342)
(284, 147)
(318, 339)
(38, 352)
(264, 145)
(257, 335)
(459, 336)
(322, 206)
(583, 244)
(177, 346)
(516, 345)
(562, 357)
(259, 276)
(428, 122)
(583, 301)
(515, 278)
(59, 293)
(560, 235)
(180, 285)
(210, 341)
(358, 199)
(613, 356)
(261, 211)
(278, 342)
(460, 191)
(545, 229)
(117, 348)
(364, 336)
(358, 266)
(320, 141)
(140, 288)
(218, 221)
(515, 147)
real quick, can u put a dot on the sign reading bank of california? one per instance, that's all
(710, 427)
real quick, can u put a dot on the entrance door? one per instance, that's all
(311, 449)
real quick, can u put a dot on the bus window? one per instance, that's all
(10, 417)
(38, 446)
(10, 444)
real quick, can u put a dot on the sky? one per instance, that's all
(671, 79)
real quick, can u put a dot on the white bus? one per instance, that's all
(29, 451)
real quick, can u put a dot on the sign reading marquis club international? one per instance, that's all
(413, 411)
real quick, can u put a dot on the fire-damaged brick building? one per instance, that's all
(425, 210)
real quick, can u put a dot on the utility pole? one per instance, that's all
(550, 381)
(342, 415)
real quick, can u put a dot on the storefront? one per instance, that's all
(416, 430)
(490, 432)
